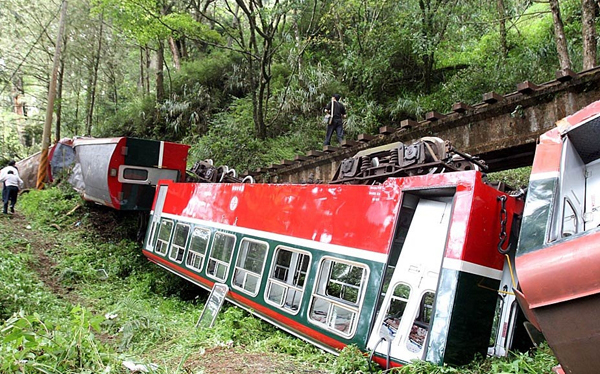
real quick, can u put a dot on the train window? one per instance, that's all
(420, 327)
(344, 282)
(180, 238)
(220, 256)
(287, 278)
(135, 174)
(249, 266)
(337, 296)
(197, 252)
(569, 223)
(163, 236)
(396, 309)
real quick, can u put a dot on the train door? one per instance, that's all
(403, 321)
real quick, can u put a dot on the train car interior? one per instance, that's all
(578, 207)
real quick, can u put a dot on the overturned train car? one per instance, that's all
(558, 256)
(406, 269)
(122, 173)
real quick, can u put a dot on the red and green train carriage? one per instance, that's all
(407, 269)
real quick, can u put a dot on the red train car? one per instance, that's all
(122, 173)
(407, 269)
(558, 257)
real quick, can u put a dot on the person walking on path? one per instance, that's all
(12, 185)
(337, 111)
(11, 167)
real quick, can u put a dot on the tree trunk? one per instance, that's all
(160, 79)
(183, 48)
(175, 52)
(93, 81)
(61, 75)
(502, 24)
(588, 21)
(43, 164)
(141, 83)
(18, 105)
(559, 36)
(147, 77)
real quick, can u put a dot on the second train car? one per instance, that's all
(407, 269)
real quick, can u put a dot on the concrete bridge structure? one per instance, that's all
(502, 129)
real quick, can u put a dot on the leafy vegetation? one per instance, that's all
(81, 301)
(246, 93)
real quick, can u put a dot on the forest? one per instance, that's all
(244, 82)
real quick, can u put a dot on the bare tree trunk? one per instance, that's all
(94, 79)
(61, 75)
(141, 83)
(502, 23)
(18, 106)
(43, 164)
(77, 103)
(175, 52)
(147, 77)
(559, 36)
(160, 79)
(588, 21)
(183, 48)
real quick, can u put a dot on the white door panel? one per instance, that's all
(407, 306)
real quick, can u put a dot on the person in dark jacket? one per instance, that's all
(338, 112)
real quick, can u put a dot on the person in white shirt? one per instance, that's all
(11, 167)
(12, 185)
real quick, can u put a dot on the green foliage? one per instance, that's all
(135, 118)
(32, 344)
(19, 287)
(516, 178)
(50, 206)
(351, 360)
(538, 361)
(232, 141)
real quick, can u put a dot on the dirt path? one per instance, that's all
(17, 226)
(216, 360)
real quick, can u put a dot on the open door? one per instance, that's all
(404, 320)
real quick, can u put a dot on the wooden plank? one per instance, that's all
(330, 149)
(346, 143)
(313, 153)
(365, 138)
(527, 87)
(565, 75)
(408, 124)
(386, 130)
(434, 116)
(492, 97)
(461, 107)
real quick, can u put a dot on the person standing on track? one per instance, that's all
(337, 111)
